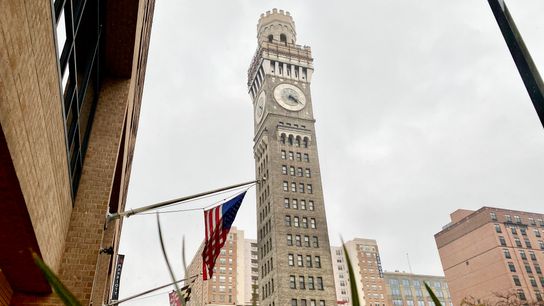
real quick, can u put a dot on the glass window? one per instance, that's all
(310, 188)
(292, 283)
(502, 241)
(306, 157)
(291, 155)
(286, 203)
(301, 282)
(285, 186)
(295, 222)
(517, 219)
(508, 218)
(304, 222)
(521, 295)
(493, 216)
(532, 255)
(311, 206)
(317, 260)
(512, 267)
(498, 228)
(293, 187)
(306, 241)
(283, 169)
(299, 156)
(319, 282)
(290, 259)
(312, 223)
(292, 170)
(522, 254)
(308, 173)
(303, 204)
(289, 239)
(298, 241)
(315, 242)
(308, 261)
(295, 204)
(300, 261)
(299, 171)
(506, 253)
(311, 283)
(533, 281)
(287, 220)
(301, 188)
(516, 280)
(283, 154)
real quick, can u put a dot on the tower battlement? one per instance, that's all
(276, 26)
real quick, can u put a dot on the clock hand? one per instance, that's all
(293, 98)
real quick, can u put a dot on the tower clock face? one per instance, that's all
(259, 107)
(290, 97)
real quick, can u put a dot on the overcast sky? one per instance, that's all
(419, 107)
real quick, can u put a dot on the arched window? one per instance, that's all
(305, 142)
(283, 38)
(270, 38)
(290, 140)
(297, 141)
(282, 138)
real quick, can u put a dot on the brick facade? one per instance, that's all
(67, 232)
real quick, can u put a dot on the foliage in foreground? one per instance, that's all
(63, 293)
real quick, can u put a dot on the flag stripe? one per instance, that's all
(218, 221)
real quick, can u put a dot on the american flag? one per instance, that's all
(218, 221)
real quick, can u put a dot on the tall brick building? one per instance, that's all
(71, 80)
(493, 250)
(235, 276)
(367, 268)
(294, 250)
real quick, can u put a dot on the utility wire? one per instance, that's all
(197, 208)
(193, 278)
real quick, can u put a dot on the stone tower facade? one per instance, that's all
(294, 252)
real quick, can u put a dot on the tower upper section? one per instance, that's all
(276, 26)
(277, 53)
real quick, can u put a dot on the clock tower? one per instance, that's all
(294, 263)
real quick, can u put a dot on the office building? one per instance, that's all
(367, 268)
(493, 250)
(71, 81)
(407, 289)
(294, 250)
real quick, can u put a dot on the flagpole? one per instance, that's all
(151, 290)
(134, 211)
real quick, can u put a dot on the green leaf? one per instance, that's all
(352, 285)
(433, 296)
(178, 291)
(64, 294)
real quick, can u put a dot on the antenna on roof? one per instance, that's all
(409, 265)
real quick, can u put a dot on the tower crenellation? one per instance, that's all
(276, 26)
